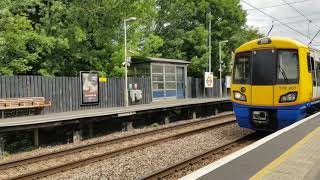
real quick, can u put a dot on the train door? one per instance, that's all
(263, 76)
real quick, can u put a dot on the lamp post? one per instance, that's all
(220, 62)
(125, 60)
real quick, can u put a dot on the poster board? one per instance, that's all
(89, 81)
(208, 80)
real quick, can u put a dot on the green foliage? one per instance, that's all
(61, 38)
(183, 24)
(19, 142)
(154, 125)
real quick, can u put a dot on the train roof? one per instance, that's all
(271, 42)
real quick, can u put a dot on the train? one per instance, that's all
(275, 82)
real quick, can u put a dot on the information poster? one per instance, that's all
(90, 87)
(208, 80)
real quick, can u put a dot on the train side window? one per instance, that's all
(310, 63)
(318, 73)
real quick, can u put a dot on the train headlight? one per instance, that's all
(239, 96)
(289, 97)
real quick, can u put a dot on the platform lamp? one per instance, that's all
(125, 59)
(220, 62)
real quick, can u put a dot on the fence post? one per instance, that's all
(2, 143)
(36, 137)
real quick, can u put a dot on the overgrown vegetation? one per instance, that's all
(63, 37)
(154, 125)
(19, 141)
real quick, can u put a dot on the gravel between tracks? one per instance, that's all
(84, 154)
(138, 163)
(43, 150)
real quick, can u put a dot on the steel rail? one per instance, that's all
(160, 174)
(42, 157)
(226, 120)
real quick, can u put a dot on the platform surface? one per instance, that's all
(121, 111)
(290, 153)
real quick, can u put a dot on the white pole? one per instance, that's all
(125, 66)
(220, 69)
(210, 43)
(125, 60)
(220, 62)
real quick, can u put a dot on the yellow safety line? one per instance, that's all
(275, 163)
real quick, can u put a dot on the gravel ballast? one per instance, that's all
(56, 161)
(47, 149)
(142, 162)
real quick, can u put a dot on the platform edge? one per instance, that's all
(209, 168)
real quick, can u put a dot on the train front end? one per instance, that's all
(266, 84)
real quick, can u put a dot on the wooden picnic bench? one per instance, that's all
(23, 103)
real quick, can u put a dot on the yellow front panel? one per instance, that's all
(262, 95)
(280, 90)
(270, 95)
(237, 87)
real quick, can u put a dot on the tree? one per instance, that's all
(21, 45)
(183, 26)
(51, 37)
(63, 37)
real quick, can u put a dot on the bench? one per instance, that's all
(23, 103)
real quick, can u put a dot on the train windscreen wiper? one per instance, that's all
(283, 74)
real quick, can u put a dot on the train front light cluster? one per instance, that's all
(239, 96)
(289, 97)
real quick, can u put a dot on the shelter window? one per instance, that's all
(170, 81)
(157, 80)
(288, 69)
(164, 81)
(157, 68)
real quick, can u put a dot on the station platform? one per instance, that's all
(290, 153)
(13, 123)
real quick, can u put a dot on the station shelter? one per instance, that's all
(168, 76)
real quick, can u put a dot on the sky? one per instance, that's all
(297, 16)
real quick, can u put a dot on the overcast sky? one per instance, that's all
(286, 14)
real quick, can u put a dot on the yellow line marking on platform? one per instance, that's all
(275, 163)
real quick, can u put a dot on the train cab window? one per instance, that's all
(241, 71)
(288, 69)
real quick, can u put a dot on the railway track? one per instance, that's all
(220, 120)
(191, 164)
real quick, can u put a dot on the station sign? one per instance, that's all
(89, 87)
(208, 80)
(228, 82)
(103, 79)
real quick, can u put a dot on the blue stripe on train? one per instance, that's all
(286, 115)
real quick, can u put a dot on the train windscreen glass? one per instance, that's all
(288, 69)
(263, 67)
(241, 74)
